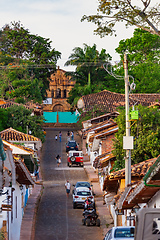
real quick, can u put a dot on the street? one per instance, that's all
(56, 218)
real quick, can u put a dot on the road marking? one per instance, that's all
(67, 168)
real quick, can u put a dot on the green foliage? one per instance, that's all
(3, 119)
(18, 117)
(27, 60)
(146, 132)
(94, 111)
(139, 14)
(143, 54)
(142, 47)
(89, 75)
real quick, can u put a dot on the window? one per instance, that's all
(65, 94)
(58, 93)
(156, 226)
(52, 94)
(84, 193)
(123, 232)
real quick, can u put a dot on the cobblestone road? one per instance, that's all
(56, 218)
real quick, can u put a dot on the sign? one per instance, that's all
(120, 212)
(6, 207)
(130, 217)
(128, 142)
(47, 101)
(134, 115)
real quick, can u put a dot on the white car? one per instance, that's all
(83, 184)
(80, 195)
(120, 233)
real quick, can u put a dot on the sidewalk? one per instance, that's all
(28, 220)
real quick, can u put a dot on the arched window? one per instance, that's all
(52, 93)
(65, 93)
(58, 93)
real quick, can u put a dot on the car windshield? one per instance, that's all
(81, 193)
(71, 144)
(124, 232)
(83, 184)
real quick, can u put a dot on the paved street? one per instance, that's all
(56, 218)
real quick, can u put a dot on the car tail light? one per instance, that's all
(89, 188)
(67, 146)
(76, 197)
(91, 197)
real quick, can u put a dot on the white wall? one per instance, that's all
(155, 201)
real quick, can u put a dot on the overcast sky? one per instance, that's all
(59, 20)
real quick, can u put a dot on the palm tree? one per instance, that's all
(88, 62)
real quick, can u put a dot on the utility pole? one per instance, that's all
(128, 151)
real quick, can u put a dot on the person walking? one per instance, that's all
(56, 137)
(68, 187)
(72, 135)
(68, 136)
(58, 159)
(60, 136)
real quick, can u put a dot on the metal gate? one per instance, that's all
(60, 117)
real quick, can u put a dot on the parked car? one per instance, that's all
(119, 233)
(71, 145)
(82, 185)
(80, 196)
(75, 158)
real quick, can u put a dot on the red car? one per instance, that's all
(75, 157)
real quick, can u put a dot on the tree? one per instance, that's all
(25, 57)
(143, 54)
(19, 117)
(89, 75)
(146, 132)
(110, 12)
(140, 48)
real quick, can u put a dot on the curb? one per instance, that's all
(35, 213)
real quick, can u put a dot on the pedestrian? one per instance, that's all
(60, 136)
(68, 136)
(58, 159)
(68, 187)
(36, 173)
(72, 135)
(56, 137)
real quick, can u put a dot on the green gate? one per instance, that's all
(61, 117)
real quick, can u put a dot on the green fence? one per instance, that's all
(50, 117)
(63, 117)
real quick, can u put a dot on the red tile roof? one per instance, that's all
(111, 100)
(37, 108)
(11, 134)
(137, 170)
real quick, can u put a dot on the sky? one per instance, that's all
(60, 21)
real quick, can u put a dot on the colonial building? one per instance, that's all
(59, 87)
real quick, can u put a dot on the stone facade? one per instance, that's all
(59, 88)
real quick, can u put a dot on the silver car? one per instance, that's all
(80, 195)
(120, 233)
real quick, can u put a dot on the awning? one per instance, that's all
(102, 160)
(23, 175)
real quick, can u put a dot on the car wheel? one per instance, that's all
(73, 159)
(87, 222)
(74, 205)
(83, 221)
(98, 222)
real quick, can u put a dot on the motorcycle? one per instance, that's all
(90, 217)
